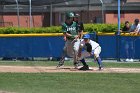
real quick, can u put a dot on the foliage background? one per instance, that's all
(105, 28)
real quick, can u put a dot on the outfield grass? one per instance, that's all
(70, 82)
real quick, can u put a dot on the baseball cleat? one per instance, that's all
(100, 68)
(76, 65)
(60, 65)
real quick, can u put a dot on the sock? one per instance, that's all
(99, 61)
(83, 62)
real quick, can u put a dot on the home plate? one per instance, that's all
(90, 68)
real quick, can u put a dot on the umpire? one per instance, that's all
(80, 24)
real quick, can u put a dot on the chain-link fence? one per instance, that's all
(42, 13)
(37, 14)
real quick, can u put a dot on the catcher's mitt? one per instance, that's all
(88, 47)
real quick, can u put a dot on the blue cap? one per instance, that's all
(86, 36)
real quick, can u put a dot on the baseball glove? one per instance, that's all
(88, 47)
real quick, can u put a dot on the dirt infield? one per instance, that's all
(51, 69)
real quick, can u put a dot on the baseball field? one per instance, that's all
(44, 77)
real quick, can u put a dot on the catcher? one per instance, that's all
(89, 48)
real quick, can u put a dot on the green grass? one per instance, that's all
(70, 82)
(69, 63)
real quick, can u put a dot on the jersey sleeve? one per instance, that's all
(64, 30)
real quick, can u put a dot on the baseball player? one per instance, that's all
(89, 48)
(70, 31)
(80, 25)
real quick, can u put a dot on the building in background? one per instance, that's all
(47, 13)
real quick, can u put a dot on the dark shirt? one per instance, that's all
(125, 29)
(80, 26)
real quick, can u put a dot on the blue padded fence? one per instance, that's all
(112, 49)
(51, 46)
(31, 46)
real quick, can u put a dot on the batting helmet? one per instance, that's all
(86, 36)
(69, 15)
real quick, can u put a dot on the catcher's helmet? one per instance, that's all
(86, 36)
(69, 15)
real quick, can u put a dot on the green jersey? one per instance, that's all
(71, 29)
